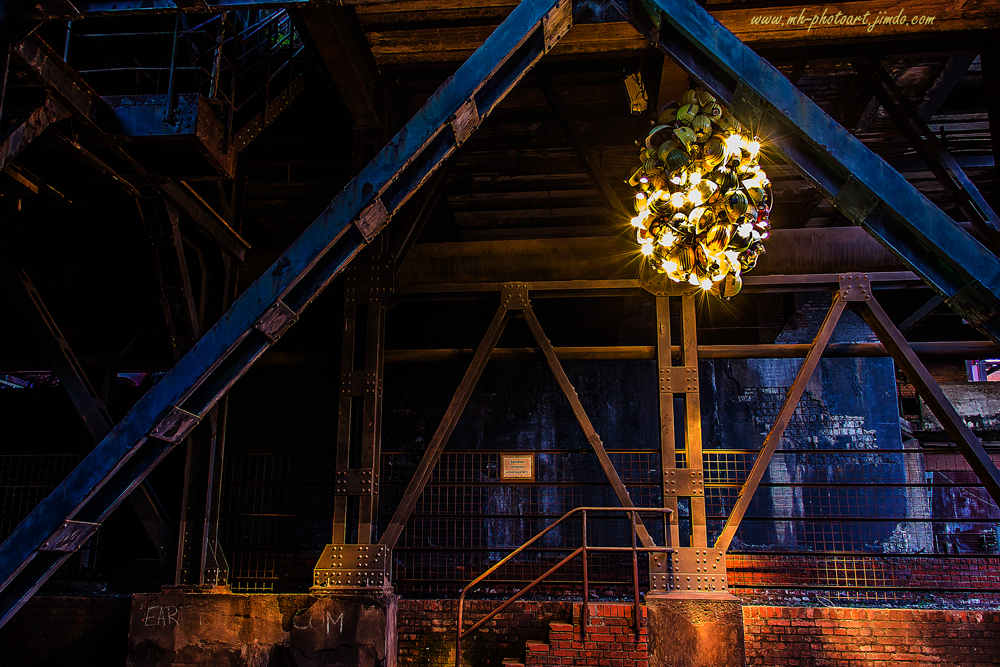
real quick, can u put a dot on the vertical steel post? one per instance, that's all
(668, 436)
(584, 612)
(692, 421)
(635, 574)
(220, 42)
(168, 412)
(172, 80)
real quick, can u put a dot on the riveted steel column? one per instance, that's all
(350, 560)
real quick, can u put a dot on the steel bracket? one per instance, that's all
(176, 425)
(276, 320)
(855, 287)
(679, 380)
(465, 121)
(356, 482)
(369, 281)
(372, 219)
(70, 536)
(360, 383)
(855, 200)
(689, 569)
(556, 23)
(514, 296)
(352, 566)
(684, 482)
(970, 302)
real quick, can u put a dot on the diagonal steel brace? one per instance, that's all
(860, 184)
(187, 393)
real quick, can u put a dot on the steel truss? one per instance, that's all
(861, 185)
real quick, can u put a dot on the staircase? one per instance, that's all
(610, 640)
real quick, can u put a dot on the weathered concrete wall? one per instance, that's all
(690, 630)
(172, 629)
(978, 403)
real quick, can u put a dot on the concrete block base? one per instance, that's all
(173, 628)
(695, 630)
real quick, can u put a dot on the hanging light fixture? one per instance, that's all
(636, 92)
(702, 200)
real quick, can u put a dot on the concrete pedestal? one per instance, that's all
(171, 629)
(695, 630)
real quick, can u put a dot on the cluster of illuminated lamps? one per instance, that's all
(702, 200)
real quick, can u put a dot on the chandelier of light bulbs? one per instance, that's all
(702, 201)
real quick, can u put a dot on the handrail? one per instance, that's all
(582, 549)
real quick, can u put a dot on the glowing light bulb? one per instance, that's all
(637, 221)
(670, 265)
(677, 199)
(694, 196)
(705, 284)
(753, 147)
(734, 143)
(643, 179)
(667, 239)
(647, 249)
(640, 196)
(695, 177)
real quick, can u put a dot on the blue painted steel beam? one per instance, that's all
(165, 415)
(862, 186)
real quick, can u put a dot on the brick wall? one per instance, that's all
(59, 631)
(610, 640)
(427, 630)
(841, 637)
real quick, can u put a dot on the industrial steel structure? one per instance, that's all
(445, 172)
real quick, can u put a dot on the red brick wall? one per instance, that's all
(610, 640)
(841, 637)
(59, 631)
(427, 630)
(427, 634)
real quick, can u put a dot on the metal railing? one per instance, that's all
(583, 550)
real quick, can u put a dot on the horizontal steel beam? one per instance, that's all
(168, 412)
(789, 251)
(958, 349)
(861, 185)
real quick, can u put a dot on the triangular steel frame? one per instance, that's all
(861, 185)
(513, 297)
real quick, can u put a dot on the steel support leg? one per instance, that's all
(170, 410)
(90, 407)
(694, 567)
(773, 438)
(963, 437)
(350, 554)
(514, 297)
(581, 417)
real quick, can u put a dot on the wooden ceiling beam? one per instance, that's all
(335, 37)
(414, 43)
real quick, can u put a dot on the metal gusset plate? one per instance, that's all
(870, 192)
(228, 349)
